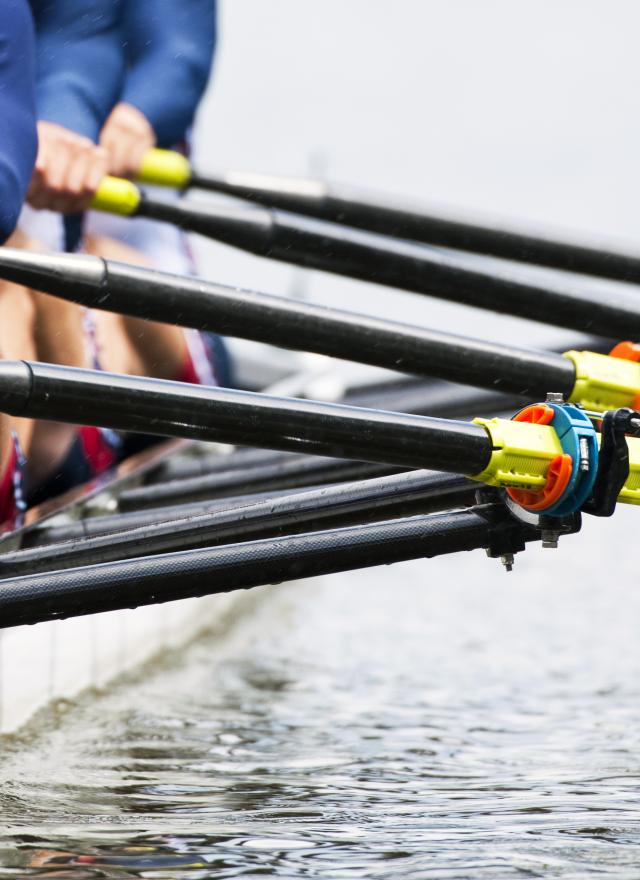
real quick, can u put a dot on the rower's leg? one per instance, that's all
(59, 338)
(133, 345)
(16, 342)
(17, 320)
(53, 334)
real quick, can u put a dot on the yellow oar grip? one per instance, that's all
(117, 196)
(165, 168)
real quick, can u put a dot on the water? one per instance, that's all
(436, 719)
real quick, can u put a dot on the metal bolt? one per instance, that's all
(507, 560)
(550, 538)
(584, 454)
(555, 397)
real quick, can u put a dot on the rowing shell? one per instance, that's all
(58, 660)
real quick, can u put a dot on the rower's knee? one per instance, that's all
(17, 321)
(18, 308)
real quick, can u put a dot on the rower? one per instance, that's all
(73, 39)
(69, 168)
(175, 47)
(17, 154)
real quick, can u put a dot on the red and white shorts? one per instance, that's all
(12, 501)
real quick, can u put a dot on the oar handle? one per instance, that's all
(165, 168)
(117, 196)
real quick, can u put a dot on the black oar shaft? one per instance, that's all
(409, 266)
(191, 302)
(174, 409)
(332, 506)
(199, 478)
(135, 582)
(379, 214)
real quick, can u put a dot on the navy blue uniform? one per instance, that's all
(80, 62)
(17, 112)
(169, 53)
(153, 54)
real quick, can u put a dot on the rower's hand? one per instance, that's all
(68, 170)
(126, 136)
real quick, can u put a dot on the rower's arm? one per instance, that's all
(170, 46)
(17, 111)
(80, 62)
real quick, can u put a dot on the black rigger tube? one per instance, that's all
(300, 471)
(377, 213)
(408, 266)
(44, 532)
(175, 409)
(333, 506)
(190, 302)
(145, 581)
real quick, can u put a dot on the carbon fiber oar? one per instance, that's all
(341, 250)
(552, 450)
(175, 409)
(192, 302)
(186, 480)
(591, 379)
(379, 213)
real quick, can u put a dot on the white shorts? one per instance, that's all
(46, 227)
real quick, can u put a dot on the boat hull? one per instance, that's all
(57, 661)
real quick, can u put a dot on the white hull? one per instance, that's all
(59, 660)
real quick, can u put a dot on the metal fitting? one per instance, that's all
(507, 560)
(550, 538)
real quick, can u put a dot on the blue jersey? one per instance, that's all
(169, 49)
(17, 111)
(79, 61)
(153, 54)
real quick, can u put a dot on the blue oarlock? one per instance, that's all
(579, 440)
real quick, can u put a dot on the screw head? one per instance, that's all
(555, 397)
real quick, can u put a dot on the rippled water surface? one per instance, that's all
(435, 719)
(432, 719)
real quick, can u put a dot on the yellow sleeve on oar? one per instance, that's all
(604, 382)
(117, 196)
(165, 168)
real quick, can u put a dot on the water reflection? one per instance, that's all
(432, 720)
